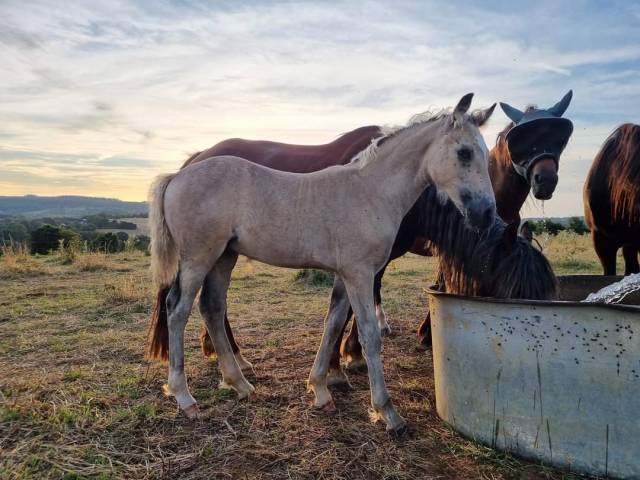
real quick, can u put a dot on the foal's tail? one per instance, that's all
(164, 269)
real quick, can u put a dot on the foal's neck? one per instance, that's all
(398, 173)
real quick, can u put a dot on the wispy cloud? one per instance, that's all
(111, 93)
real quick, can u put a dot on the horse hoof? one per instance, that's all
(385, 331)
(329, 407)
(357, 364)
(338, 380)
(192, 411)
(398, 430)
(246, 393)
(424, 344)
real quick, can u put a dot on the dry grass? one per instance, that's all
(15, 262)
(93, 262)
(78, 400)
(573, 253)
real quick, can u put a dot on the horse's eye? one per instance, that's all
(465, 154)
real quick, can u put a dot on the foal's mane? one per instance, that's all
(370, 153)
(478, 263)
(620, 155)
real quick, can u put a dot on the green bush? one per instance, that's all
(577, 225)
(314, 278)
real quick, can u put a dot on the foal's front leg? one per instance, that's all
(333, 326)
(350, 347)
(359, 290)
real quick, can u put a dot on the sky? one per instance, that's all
(96, 98)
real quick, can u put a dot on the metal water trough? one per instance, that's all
(557, 382)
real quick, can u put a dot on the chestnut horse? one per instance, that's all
(612, 199)
(511, 188)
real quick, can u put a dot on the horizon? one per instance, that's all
(99, 98)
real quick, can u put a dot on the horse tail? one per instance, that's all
(164, 269)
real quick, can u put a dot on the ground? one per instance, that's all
(78, 399)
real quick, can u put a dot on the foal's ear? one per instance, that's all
(481, 116)
(510, 235)
(464, 104)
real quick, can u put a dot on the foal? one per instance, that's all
(207, 214)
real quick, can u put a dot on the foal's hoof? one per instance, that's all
(385, 331)
(355, 364)
(398, 430)
(192, 411)
(329, 407)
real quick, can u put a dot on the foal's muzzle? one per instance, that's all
(480, 211)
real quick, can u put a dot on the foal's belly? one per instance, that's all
(283, 252)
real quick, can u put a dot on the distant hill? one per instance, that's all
(68, 206)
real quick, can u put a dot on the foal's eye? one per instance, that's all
(465, 154)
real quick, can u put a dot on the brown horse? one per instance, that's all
(612, 199)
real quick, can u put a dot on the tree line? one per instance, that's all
(44, 235)
(575, 225)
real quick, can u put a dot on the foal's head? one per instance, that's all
(457, 163)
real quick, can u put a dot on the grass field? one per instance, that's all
(78, 400)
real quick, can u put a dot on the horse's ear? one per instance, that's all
(480, 117)
(464, 104)
(510, 235)
(461, 108)
(514, 114)
(526, 232)
(559, 108)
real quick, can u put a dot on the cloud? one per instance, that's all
(136, 85)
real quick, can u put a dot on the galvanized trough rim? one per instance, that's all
(562, 303)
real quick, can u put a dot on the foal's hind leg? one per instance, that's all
(213, 305)
(333, 326)
(179, 303)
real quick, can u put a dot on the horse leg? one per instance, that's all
(336, 376)
(359, 290)
(351, 350)
(179, 303)
(606, 249)
(385, 329)
(213, 305)
(630, 253)
(333, 325)
(424, 332)
(209, 350)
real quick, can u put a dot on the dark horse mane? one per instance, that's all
(496, 263)
(619, 161)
